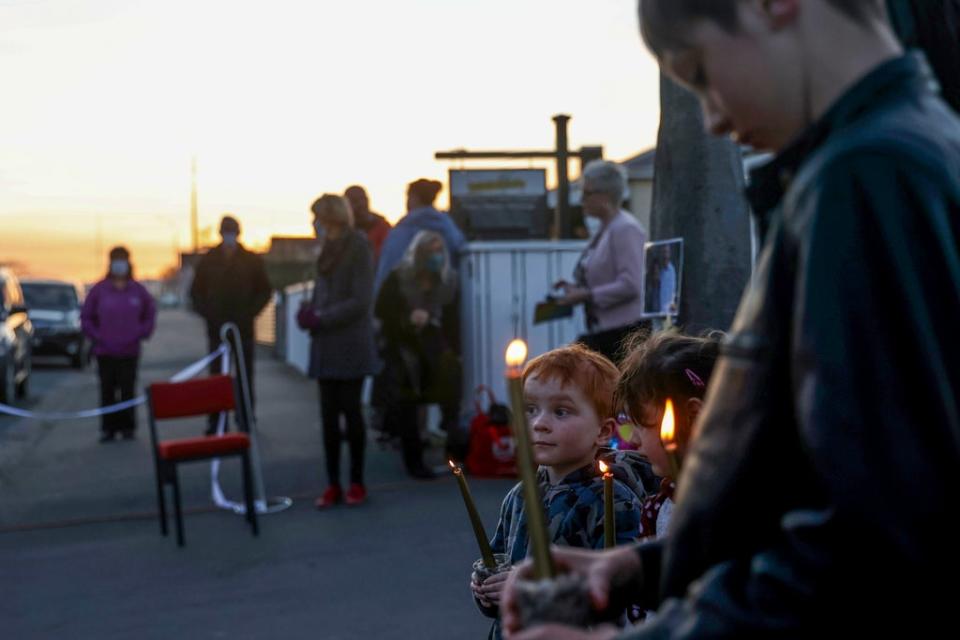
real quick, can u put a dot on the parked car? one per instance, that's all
(16, 333)
(54, 310)
(169, 300)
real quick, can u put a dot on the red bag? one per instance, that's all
(491, 442)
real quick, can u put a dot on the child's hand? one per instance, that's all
(560, 632)
(492, 587)
(476, 587)
(604, 571)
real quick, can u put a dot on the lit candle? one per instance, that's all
(485, 551)
(668, 437)
(536, 520)
(609, 528)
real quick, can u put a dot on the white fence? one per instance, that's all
(501, 283)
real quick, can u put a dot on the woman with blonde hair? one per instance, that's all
(341, 347)
(417, 311)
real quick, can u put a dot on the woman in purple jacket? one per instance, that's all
(117, 314)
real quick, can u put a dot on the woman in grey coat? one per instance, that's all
(339, 320)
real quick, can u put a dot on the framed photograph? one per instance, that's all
(663, 275)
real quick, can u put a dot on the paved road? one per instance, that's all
(82, 557)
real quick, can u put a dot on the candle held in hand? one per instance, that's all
(609, 526)
(668, 437)
(482, 541)
(536, 519)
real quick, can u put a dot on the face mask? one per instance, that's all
(119, 268)
(593, 225)
(229, 238)
(319, 230)
(435, 262)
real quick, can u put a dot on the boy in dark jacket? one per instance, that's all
(827, 453)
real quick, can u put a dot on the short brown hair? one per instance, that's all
(575, 364)
(668, 364)
(425, 190)
(333, 209)
(663, 23)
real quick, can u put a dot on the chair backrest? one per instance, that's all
(192, 398)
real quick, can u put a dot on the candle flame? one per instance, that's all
(516, 353)
(452, 465)
(603, 468)
(668, 425)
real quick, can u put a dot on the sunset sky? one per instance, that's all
(106, 101)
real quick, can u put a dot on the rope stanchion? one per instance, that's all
(223, 352)
(230, 337)
(185, 374)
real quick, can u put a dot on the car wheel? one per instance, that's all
(7, 385)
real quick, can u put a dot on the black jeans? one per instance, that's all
(342, 397)
(118, 379)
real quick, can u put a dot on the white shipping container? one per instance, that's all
(502, 282)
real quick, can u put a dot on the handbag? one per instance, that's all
(492, 451)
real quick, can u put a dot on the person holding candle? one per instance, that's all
(569, 406)
(815, 496)
(665, 366)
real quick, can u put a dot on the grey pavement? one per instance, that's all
(81, 554)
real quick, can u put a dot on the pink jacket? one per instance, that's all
(613, 270)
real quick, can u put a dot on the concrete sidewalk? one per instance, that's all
(82, 554)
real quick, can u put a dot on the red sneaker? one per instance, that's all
(356, 494)
(330, 497)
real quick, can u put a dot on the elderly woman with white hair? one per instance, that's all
(608, 279)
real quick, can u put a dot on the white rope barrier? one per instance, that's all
(263, 505)
(185, 374)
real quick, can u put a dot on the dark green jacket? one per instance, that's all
(827, 463)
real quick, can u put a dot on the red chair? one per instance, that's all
(168, 400)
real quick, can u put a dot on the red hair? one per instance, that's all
(590, 371)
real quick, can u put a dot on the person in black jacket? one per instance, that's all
(230, 285)
(827, 455)
(341, 340)
(416, 307)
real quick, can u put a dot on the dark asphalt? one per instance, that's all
(81, 555)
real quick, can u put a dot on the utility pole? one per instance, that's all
(562, 224)
(194, 220)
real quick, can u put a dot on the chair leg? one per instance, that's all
(248, 495)
(161, 502)
(177, 508)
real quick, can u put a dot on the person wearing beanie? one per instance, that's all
(421, 216)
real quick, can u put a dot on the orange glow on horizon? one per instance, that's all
(88, 162)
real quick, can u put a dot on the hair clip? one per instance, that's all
(694, 378)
